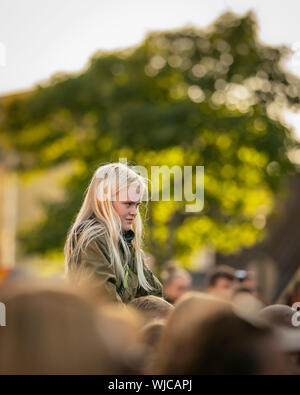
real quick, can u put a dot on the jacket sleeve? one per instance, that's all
(153, 282)
(95, 262)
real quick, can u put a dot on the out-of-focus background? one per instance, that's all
(159, 83)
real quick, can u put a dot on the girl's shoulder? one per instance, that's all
(90, 224)
(92, 229)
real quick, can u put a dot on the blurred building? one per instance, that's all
(8, 216)
(21, 206)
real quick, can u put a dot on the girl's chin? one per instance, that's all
(126, 227)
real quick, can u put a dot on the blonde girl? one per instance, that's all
(105, 240)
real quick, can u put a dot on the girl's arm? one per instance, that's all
(96, 264)
(154, 283)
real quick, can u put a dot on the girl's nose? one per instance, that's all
(133, 211)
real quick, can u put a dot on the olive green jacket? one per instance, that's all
(96, 260)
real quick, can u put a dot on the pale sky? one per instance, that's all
(41, 37)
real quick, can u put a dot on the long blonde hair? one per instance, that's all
(98, 218)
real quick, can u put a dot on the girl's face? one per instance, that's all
(126, 208)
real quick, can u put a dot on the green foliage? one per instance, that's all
(185, 97)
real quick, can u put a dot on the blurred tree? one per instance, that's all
(192, 97)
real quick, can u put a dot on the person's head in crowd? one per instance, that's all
(52, 330)
(176, 281)
(278, 314)
(190, 309)
(280, 317)
(152, 307)
(123, 333)
(221, 282)
(204, 336)
(247, 281)
(241, 291)
(150, 336)
(137, 340)
(151, 333)
(245, 298)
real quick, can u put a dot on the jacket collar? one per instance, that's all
(128, 236)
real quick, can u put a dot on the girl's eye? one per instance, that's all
(129, 204)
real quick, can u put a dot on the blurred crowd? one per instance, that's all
(52, 326)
